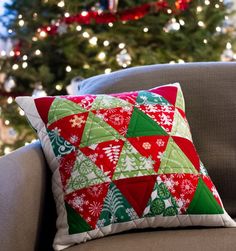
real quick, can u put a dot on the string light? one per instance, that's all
(199, 8)
(34, 39)
(7, 150)
(38, 52)
(101, 55)
(9, 100)
(217, 6)
(3, 53)
(61, 4)
(78, 28)
(25, 57)
(67, 14)
(15, 67)
(6, 122)
(107, 71)
(85, 34)
(181, 22)
(169, 11)
(68, 68)
(24, 65)
(110, 24)
(228, 46)
(19, 16)
(21, 112)
(21, 22)
(86, 66)
(121, 45)
(218, 29)
(10, 31)
(207, 2)
(205, 41)
(145, 29)
(43, 34)
(59, 87)
(93, 41)
(106, 43)
(84, 13)
(12, 53)
(201, 24)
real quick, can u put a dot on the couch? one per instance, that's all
(27, 211)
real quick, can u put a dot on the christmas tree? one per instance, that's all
(55, 41)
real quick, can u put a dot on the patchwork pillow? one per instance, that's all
(123, 161)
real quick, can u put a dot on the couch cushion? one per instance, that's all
(165, 240)
(210, 97)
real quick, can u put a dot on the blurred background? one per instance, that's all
(48, 46)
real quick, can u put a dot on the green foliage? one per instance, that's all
(158, 45)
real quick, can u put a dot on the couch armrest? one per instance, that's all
(22, 187)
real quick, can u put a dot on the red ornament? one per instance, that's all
(182, 4)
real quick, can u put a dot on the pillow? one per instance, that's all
(123, 161)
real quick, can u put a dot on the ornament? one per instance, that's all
(172, 25)
(123, 58)
(9, 84)
(62, 28)
(113, 5)
(7, 134)
(228, 55)
(39, 91)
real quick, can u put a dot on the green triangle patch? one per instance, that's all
(203, 201)
(96, 131)
(142, 125)
(76, 223)
(85, 174)
(116, 208)
(180, 100)
(175, 161)
(131, 163)
(107, 102)
(161, 201)
(151, 98)
(61, 108)
(180, 126)
(59, 145)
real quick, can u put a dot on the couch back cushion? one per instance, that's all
(210, 95)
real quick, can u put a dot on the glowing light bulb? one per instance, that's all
(68, 68)
(101, 56)
(106, 43)
(61, 4)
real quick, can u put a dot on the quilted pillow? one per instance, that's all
(123, 161)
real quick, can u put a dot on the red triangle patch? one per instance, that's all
(71, 127)
(88, 202)
(84, 101)
(182, 187)
(162, 115)
(127, 96)
(118, 118)
(43, 106)
(137, 191)
(153, 146)
(65, 167)
(212, 188)
(167, 92)
(105, 155)
(189, 150)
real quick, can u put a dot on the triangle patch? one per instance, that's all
(137, 191)
(105, 155)
(151, 146)
(189, 150)
(84, 174)
(131, 163)
(182, 187)
(116, 208)
(161, 201)
(96, 131)
(61, 108)
(107, 102)
(71, 127)
(162, 115)
(175, 161)
(76, 223)
(129, 97)
(88, 202)
(43, 110)
(150, 98)
(83, 101)
(118, 118)
(203, 201)
(142, 125)
(168, 92)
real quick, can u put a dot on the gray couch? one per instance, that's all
(27, 211)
